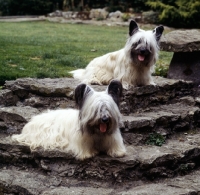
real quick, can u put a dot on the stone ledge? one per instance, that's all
(171, 117)
(64, 87)
(140, 162)
(58, 93)
(12, 119)
(15, 181)
(7, 98)
(23, 182)
(181, 41)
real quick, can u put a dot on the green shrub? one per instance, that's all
(178, 13)
(99, 18)
(126, 17)
(161, 70)
(28, 7)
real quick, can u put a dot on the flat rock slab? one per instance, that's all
(172, 117)
(46, 87)
(65, 86)
(181, 186)
(58, 93)
(59, 174)
(181, 41)
(140, 162)
(184, 185)
(12, 119)
(7, 98)
(14, 182)
(23, 182)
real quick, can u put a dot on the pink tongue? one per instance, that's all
(141, 58)
(103, 127)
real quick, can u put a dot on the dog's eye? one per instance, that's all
(139, 41)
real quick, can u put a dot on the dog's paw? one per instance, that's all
(95, 81)
(117, 153)
(152, 83)
(86, 155)
(126, 85)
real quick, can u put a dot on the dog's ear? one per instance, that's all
(158, 32)
(81, 92)
(133, 27)
(115, 90)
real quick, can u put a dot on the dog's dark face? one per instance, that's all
(143, 44)
(99, 112)
(141, 52)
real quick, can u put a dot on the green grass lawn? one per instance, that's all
(44, 49)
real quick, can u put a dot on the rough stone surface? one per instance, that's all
(26, 182)
(182, 185)
(46, 87)
(170, 117)
(185, 66)
(171, 109)
(38, 95)
(7, 98)
(163, 92)
(34, 91)
(181, 41)
(98, 14)
(115, 16)
(12, 119)
(140, 161)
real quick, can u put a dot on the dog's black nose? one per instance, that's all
(143, 50)
(104, 119)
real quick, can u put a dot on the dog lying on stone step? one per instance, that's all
(84, 132)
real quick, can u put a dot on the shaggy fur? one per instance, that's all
(132, 65)
(85, 132)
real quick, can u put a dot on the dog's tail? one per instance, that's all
(78, 74)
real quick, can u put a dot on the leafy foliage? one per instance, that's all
(28, 7)
(124, 5)
(41, 7)
(178, 13)
(161, 71)
(155, 139)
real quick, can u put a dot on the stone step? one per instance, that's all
(165, 91)
(163, 119)
(55, 93)
(179, 155)
(15, 181)
(13, 118)
(170, 110)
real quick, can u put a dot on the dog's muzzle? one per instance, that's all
(104, 124)
(143, 52)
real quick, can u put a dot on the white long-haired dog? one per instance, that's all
(85, 132)
(132, 65)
